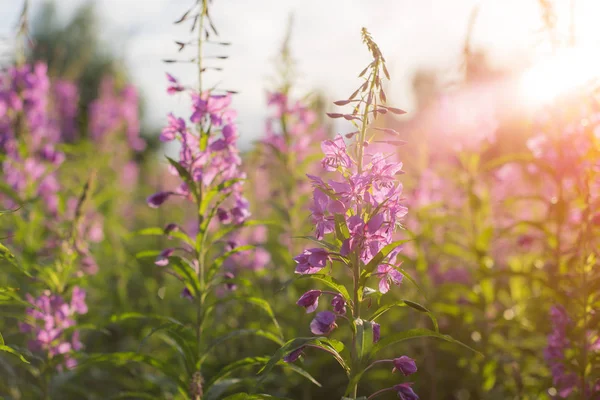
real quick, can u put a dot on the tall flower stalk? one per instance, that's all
(356, 214)
(211, 179)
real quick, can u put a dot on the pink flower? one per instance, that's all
(310, 300)
(323, 323)
(311, 261)
(335, 154)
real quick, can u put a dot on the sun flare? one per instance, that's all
(558, 75)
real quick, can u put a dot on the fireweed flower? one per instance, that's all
(113, 111)
(31, 159)
(256, 257)
(406, 365)
(310, 300)
(209, 163)
(323, 323)
(338, 304)
(405, 392)
(357, 212)
(49, 320)
(565, 381)
(312, 261)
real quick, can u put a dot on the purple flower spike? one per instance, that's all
(323, 323)
(157, 199)
(339, 304)
(405, 392)
(310, 300)
(405, 364)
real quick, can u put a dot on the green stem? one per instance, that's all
(363, 129)
(200, 251)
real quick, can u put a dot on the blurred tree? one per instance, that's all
(74, 51)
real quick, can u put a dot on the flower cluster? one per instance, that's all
(254, 259)
(27, 135)
(209, 167)
(357, 213)
(291, 128)
(50, 318)
(113, 111)
(208, 161)
(554, 353)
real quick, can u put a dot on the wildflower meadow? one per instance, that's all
(343, 248)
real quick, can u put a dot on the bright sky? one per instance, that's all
(326, 42)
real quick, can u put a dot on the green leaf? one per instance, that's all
(12, 351)
(185, 175)
(241, 332)
(300, 371)
(329, 246)
(180, 265)
(123, 358)
(379, 257)
(423, 309)
(383, 309)
(257, 301)
(133, 316)
(229, 368)
(413, 334)
(156, 231)
(216, 190)
(254, 361)
(173, 334)
(341, 229)
(364, 338)
(216, 391)
(147, 253)
(329, 281)
(6, 254)
(326, 344)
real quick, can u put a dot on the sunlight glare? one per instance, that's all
(557, 75)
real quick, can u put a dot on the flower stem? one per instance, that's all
(377, 393)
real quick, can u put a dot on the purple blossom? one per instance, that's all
(311, 261)
(174, 127)
(376, 332)
(309, 300)
(186, 294)
(294, 355)
(174, 86)
(388, 274)
(49, 320)
(325, 224)
(163, 257)
(157, 199)
(335, 154)
(323, 323)
(339, 304)
(405, 364)
(405, 391)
